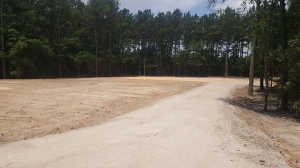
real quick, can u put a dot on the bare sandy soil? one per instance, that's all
(197, 128)
(35, 108)
(283, 130)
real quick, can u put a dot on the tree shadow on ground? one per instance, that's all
(256, 103)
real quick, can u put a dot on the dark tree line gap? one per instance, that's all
(67, 38)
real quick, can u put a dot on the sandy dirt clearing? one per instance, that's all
(196, 128)
(35, 108)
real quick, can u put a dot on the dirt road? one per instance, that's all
(192, 129)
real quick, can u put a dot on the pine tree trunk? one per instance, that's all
(267, 87)
(267, 76)
(209, 64)
(251, 70)
(226, 59)
(139, 63)
(2, 40)
(261, 82)
(145, 61)
(254, 47)
(284, 97)
(126, 68)
(59, 62)
(174, 64)
(19, 67)
(157, 64)
(110, 52)
(96, 59)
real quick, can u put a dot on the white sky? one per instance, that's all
(160, 5)
(231, 3)
(195, 6)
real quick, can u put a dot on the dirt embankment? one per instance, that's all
(284, 131)
(35, 108)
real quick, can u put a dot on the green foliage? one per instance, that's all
(294, 68)
(84, 56)
(52, 37)
(296, 108)
(28, 55)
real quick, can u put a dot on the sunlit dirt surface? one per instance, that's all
(35, 108)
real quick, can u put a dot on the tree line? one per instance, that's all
(68, 38)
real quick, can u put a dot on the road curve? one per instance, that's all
(186, 130)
